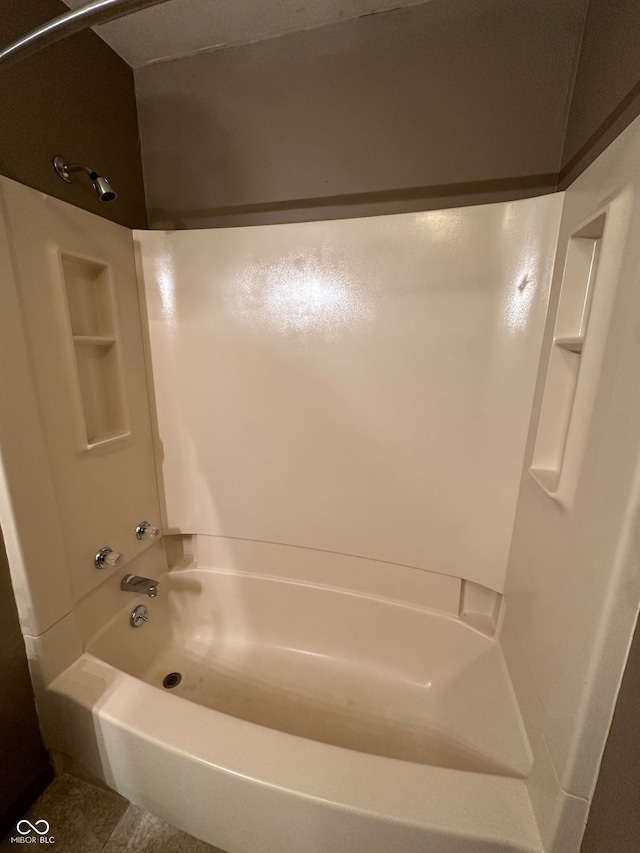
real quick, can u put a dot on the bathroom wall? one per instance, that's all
(614, 818)
(606, 94)
(75, 98)
(361, 387)
(24, 767)
(438, 105)
(573, 588)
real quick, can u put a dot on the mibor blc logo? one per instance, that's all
(32, 833)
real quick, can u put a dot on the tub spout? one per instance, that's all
(146, 586)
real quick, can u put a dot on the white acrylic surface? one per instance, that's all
(319, 656)
(432, 591)
(573, 586)
(26, 487)
(317, 662)
(358, 386)
(100, 494)
(273, 792)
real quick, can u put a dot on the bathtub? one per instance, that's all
(305, 719)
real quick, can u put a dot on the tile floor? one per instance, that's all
(86, 819)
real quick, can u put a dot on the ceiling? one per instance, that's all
(182, 27)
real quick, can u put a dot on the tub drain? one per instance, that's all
(171, 680)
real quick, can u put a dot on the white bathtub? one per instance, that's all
(307, 720)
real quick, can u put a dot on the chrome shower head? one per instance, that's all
(103, 188)
(101, 185)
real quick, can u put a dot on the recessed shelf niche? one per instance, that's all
(563, 373)
(479, 607)
(95, 341)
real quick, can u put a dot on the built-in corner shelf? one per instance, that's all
(571, 344)
(94, 340)
(97, 354)
(479, 607)
(564, 371)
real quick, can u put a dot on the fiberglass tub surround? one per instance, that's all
(364, 386)
(342, 416)
(325, 350)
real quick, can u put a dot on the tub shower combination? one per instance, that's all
(350, 635)
(343, 703)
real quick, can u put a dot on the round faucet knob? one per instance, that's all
(147, 532)
(107, 558)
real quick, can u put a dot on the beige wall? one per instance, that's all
(76, 99)
(24, 767)
(437, 105)
(433, 106)
(614, 819)
(606, 95)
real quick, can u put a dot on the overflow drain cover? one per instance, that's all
(171, 680)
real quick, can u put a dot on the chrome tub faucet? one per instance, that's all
(144, 586)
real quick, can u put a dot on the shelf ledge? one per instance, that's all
(547, 478)
(94, 340)
(571, 344)
(104, 440)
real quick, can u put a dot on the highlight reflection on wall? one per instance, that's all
(306, 292)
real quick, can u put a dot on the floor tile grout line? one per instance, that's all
(111, 834)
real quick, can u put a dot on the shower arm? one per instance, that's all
(96, 12)
(70, 168)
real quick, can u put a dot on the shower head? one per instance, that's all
(101, 185)
(103, 188)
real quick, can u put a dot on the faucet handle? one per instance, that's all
(147, 532)
(107, 558)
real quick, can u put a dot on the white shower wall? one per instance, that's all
(361, 386)
(61, 500)
(573, 585)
